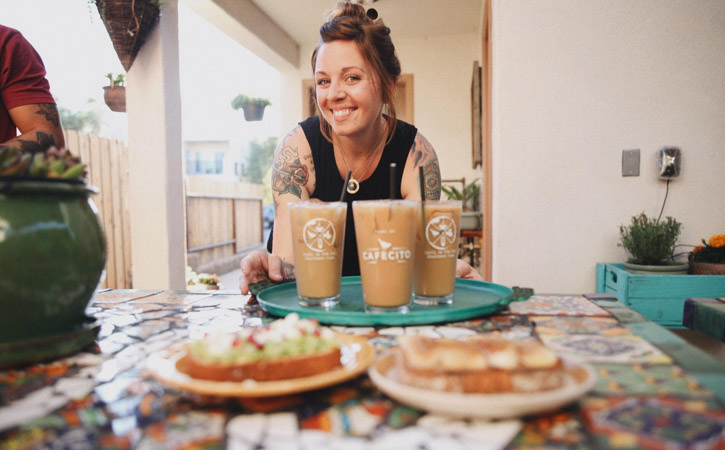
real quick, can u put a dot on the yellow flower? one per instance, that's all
(717, 240)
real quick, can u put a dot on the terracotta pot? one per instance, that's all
(115, 97)
(704, 268)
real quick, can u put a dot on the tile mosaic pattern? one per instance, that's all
(102, 398)
(557, 305)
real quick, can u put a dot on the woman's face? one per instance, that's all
(348, 92)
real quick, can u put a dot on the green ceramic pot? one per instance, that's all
(52, 257)
(669, 268)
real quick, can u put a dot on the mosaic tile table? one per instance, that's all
(653, 390)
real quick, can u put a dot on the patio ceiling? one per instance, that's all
(301, 19)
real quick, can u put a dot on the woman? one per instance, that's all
(355, 71)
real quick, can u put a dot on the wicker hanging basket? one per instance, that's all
(128, 23)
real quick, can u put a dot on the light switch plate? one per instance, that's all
(630, 163)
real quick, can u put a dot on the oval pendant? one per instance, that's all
(353, 186)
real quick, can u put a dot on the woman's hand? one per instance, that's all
(259, 266)
(464, 270)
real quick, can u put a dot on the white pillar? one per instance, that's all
(156, 203)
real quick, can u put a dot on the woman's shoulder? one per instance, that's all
(310, 124)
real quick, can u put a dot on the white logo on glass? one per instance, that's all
(441, 232)
(318, 234)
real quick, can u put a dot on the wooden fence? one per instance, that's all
(107, 163)
(223, 219)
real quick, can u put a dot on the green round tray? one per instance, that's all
(471, 299)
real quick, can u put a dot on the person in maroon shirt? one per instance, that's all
(26, 103)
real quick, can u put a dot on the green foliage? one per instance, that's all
(240, 100)
(84, 121)
(473, 194)
(649, 241)
(259, 160)
(53, 163)
(118, 80)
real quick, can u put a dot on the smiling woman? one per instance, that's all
(356, 130)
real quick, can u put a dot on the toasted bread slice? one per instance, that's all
(267, 370)
(480, 364)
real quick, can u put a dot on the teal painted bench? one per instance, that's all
(660, 298)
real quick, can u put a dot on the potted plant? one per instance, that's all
(253, 106)
(115, 93)
(52, 254)
(201, 281)
(651, 243)
(471, 217)
(708, 258)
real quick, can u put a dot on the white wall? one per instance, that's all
(442, 67)
(575, 83)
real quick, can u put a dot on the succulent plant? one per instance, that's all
(53, 163)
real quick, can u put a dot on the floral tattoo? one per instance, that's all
(289, 174)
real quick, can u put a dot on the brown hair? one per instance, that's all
(349, 22)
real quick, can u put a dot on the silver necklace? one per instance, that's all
(353, 185)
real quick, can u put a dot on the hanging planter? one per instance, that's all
(253, 107)
(115, 98)
(115, 93)
(128, 23)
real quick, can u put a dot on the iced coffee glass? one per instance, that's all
(318, 237)
(385, 245)
(436, 251)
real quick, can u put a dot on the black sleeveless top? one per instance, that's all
(329, 183)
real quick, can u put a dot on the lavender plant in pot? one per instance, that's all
(651, 243)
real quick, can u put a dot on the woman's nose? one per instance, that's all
(336, 91)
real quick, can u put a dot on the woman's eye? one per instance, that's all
(353, 78)
(322, 82)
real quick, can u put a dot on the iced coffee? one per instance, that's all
(436, 252)
(318, 237)
(386, 244)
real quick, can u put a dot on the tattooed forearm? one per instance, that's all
(50, 111)
(42, 142)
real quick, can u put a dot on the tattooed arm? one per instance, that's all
(421, 155)
(39, 125)
(293, 180)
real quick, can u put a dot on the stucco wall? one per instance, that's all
(575, 83)
(441, 68)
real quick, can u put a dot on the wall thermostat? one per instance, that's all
(668, 162)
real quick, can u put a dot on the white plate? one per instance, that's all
(580, 379)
